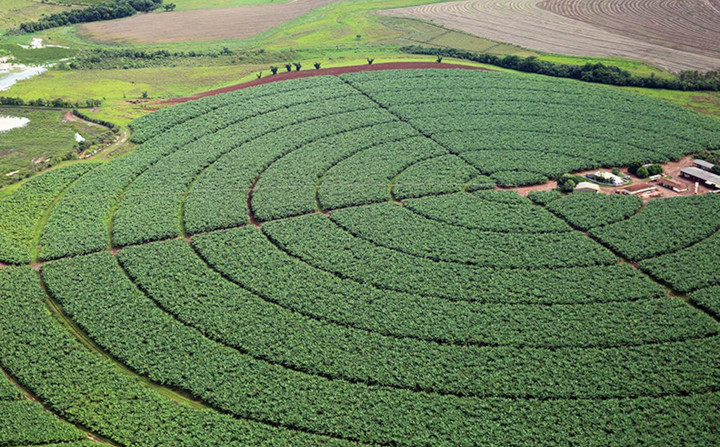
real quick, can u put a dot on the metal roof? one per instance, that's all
(707, 177)
(704, 163)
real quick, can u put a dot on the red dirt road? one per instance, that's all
(335, 71)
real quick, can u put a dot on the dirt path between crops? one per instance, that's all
(334, 71)
(534, 24)
(199, 25)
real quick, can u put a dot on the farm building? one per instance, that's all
(609, 177)
(636, 189)
(699, 175)
(673, 185)
(702, 164)
(587, 187)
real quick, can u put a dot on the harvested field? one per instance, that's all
(199, 25)
(586, 31)
(692, 26)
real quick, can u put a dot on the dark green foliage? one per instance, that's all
(21, 211)
(688, 269)
(587, 211)
(544, 197)
(708, 299)
(598, 72)
(664, 226)
(86, 388)
(354, 275)
(642, 172)
(655, 169)
(103, 11)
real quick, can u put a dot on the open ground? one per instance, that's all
(683, 37)
(199, 25)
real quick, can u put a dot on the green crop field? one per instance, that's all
(334, 261)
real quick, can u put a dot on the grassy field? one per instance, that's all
(15, 12)
(45, 140)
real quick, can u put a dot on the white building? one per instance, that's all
(609, 177)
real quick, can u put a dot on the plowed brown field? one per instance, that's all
(673, 34)
(686, 25)
(199, 25)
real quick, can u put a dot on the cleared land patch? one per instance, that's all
(199, 25)
(309, 259)
(692, 26)
(579, 29)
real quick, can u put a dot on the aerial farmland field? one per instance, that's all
(339, 260)
(401, 223)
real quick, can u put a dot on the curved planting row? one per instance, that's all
(325, 262)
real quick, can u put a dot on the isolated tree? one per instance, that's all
(568, 185)
(439, 59)
(288, 67)
(273, 69)
(170, 6)
(145, 94)
(655, 170)
(317, 65)
(297, 65)
(616, 171)
(370, 61)
(259, 75)
(642, 172)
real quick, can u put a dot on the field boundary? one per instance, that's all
(333, 71)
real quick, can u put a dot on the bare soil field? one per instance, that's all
(334, 71)
(672, 34)
(685, 25)
(199, 25)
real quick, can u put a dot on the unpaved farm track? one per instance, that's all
(199, 25)
(530, 23)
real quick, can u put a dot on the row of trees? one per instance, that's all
(56, 103)
(104, 11)
(599, 73)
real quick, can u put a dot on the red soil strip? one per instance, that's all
(334, 71)
(37, 265)
(253, 220)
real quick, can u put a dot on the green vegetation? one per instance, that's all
(587, 211)
(24, 422)
(293, 263)
(663, 226)
(45, 141)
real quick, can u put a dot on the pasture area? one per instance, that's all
(326, 261)
(47, 139)
(672, 35)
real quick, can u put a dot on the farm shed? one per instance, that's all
(698, 175)
(587, 187)
(702, 164)
(636, 189)
(673, 185)
(609, 177)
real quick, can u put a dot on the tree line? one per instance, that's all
(104, 11)
(597, 72)
(58, 103)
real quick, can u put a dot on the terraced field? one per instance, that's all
(331, 261)
(675, 35)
